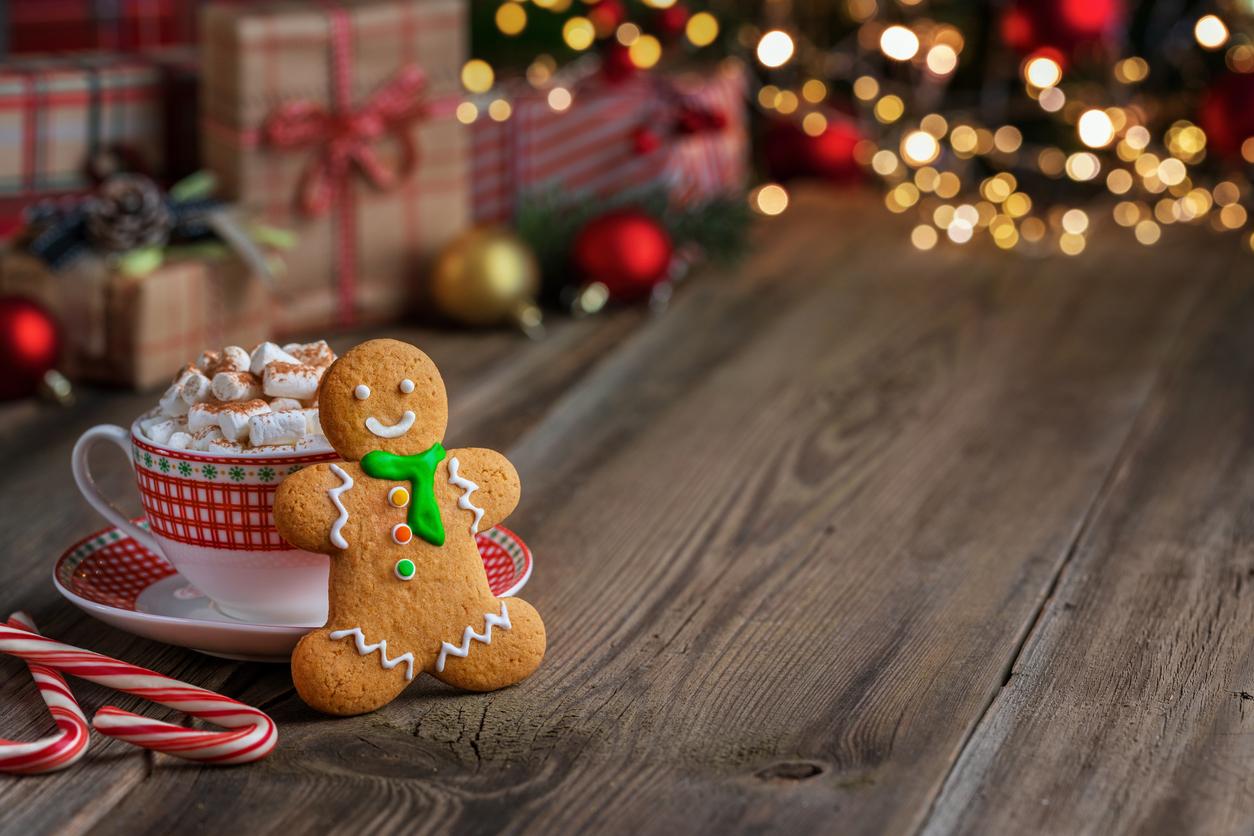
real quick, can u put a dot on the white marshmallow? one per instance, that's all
(285, 380)
(160, 432)
(316, 353)
(276, 428)
(195, 388)
(179, 441)
(233, 418)
(267, 353)
(234, 359)
(312, 425)
(203, 415)
(313, 442)
(235, 386)
(202, 437)
(281, 404)
(172, 403)
(209, 360)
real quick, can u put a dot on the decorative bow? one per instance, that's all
(345, 136)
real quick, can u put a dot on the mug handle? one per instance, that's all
(87, 485)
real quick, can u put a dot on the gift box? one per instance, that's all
(336, 121)
(137, 330)
(687, 132)
(115, 25)
(60, 116)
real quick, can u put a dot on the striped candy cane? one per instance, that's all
(252, 736)
(56, 751)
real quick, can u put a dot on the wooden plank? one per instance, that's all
(1129, 709)
(788, 540)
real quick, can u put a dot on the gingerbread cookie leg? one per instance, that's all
(349, 672)
(502, 649)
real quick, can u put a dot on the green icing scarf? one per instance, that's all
(419, 471)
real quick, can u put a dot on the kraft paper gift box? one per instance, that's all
(138, 331)
(592, 149)
(58, 113)
(336, 121)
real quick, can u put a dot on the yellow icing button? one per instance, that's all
(398, 496)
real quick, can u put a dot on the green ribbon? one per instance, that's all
(419, 471)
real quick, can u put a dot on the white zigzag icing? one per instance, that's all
(337, 528)
(468, 487)
(489, 621)
(382, 647)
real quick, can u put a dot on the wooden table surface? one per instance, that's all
(851, 539)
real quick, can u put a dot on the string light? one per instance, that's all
(467, 113)
(923, 237)
(477, 76)
(500, 110)
(919, 148)
(899, 43)
(511, 18)
(775, 49)
(769, 199)
(559, 99)
(1095, 128)
(645, 52)
(942, 59)
(1042, 71)
(701, 29)
(1210, 32)
(578, 33)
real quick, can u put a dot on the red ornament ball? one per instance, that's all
(790, 152)
(626, 250)
(30, 343)
(1226, 114)
(1027, 25)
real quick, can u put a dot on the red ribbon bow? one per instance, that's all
(346, 136)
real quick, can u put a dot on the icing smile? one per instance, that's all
(391, 430)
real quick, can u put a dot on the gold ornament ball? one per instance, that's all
(488, 276)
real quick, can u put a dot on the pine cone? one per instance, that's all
(128, 211)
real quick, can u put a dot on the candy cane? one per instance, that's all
(253, 733)
(56, 751)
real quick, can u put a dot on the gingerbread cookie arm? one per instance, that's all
(485, 483)
(311, 509)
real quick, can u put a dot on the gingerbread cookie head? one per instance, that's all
(383, 395)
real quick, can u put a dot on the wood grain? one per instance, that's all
(789, 538)
(1130, 708)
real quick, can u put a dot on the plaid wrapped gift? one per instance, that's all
(138, 330)
(114, 25)
(57, 113)
(594, 148)
(335, 121)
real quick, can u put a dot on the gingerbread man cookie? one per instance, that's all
(408, 593)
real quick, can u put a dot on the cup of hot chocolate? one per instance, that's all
(208, 460)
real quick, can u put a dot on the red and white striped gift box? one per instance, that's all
(121, 25)
(590, 149)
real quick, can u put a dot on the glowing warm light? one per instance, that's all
(889, 109)
(500, 110)
(1051, 162)
(1138, 137)
(1171, 171)
(866, 88)
(1095, 128)
(541, 70)
(1147, 232)
(942, 59)
(659, 4)
(1018, 205)
(627, 34)
(814, 124)
(645, 52)
(1042, 72)
(467, 113)
(963, 139)
(884, 162)
(1233, 216)
(1052, 100)
(925, 178)
(899, 43)
(1131, 70)
(1070, 243)
(786, 101)
(814, 91)
(919, 148)
(1032, 229)
(578, 33)
(1075, 221)
(559, 99)
(1119, 181)
(770, 199)
(1083, 166)
(477, 76)
(934, 124)
(701, 29)
(511, 18)
(1247, 149)
(1007, 139)
(1210, 32)
(1227, 193)
(948, 185)
(775, 49)
(923, 237)
(960, 231)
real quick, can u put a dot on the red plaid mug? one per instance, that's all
(210, 515)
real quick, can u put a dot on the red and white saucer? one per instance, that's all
(115, 579)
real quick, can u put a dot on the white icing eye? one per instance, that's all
(361, 392)
(407, 386)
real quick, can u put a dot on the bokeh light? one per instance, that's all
(775, 49)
